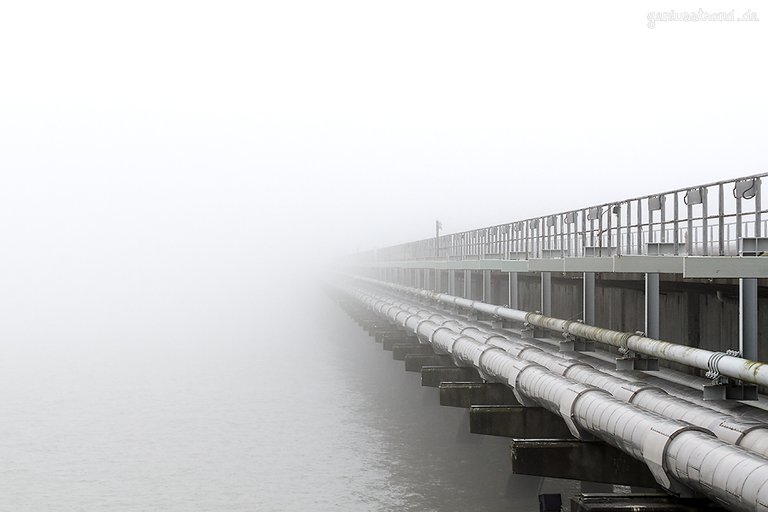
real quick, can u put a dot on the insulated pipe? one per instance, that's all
(680, 456)
(674, 383)
(717, 362)
(751, 435)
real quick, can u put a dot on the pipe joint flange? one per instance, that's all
(492, 336)
(432, 336)
(481, 364)
(628, 392)
(416, 330)
(655, 445)
(412, 315)
(461, 331)
(567, 405)
(733, 431)
(389, 309)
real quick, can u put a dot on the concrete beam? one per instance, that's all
(649, 264)
(390, 334)
(726, 266)
(400, 351)
(516, 421)
(546, 265)
(578, 460)
(433, 376)
(595, 264)
(513, 266)
(644, 502)
(391, 344)
(415, 362)
(467, 394)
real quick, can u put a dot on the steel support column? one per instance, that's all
(652, 305)
(512, 292)
(546, 293)
(589, 298)
(487, 290)
(467, 284)
(748, 318)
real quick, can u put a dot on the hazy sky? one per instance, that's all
(161, 144)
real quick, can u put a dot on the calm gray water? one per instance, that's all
(301, 412)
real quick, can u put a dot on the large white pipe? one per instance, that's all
(678, 454)
(747, 433)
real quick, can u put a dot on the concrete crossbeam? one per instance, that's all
(415, 362)
(644, 502)
(400, 351)
(516, 421)
(467, 394)
(578, 460)
(433, 376)
(391, 344)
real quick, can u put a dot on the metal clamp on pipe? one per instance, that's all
(566, 405)
(408, 318)
(516, 369)
(416, 330)
(432, 335)
(654, 451)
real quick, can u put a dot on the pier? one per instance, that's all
(620, 344)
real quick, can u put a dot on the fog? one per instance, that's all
(175, 174)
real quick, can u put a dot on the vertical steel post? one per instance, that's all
(652, 305)
(512, 293)
(589, 298)
(748, 318)
(546, 293)
(704, 223)
(689, 240)
(721, 220)
(467, 284)
(675, 224)
(758, 207)
(639, 226)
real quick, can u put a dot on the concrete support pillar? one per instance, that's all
(451, 282)
(438, 280)
(546, 293)
(512, 293)
(748, 318)
(589, 298)
(652, 305)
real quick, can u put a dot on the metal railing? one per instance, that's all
(716, 219)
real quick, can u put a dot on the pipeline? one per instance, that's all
(717, 363)
(682, 457)
(672, 382)
(751, 435)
